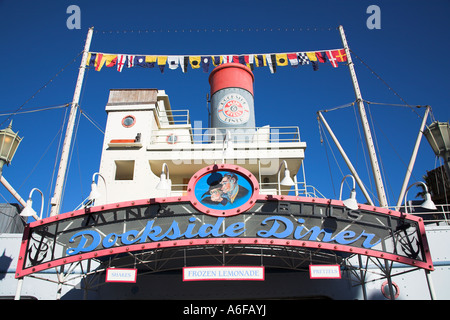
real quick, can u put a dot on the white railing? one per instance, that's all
(172, 117)
(310, 191)
(266, 189)
(259, 135)
(441, 215)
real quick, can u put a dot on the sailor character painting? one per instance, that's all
(231, 188)
(216, 195)
(223, 190)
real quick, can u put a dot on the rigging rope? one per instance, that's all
(76, 126)
(373, 194)
(218, 29)
(339, 107)
(326, 153)
(373, 122)
(385, 83)
(380, 158)
(40, 89)
(56, 160)
(45, 108)
(42, 156)
(91, 121)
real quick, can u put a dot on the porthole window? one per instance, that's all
(128, 121)
(172, 139)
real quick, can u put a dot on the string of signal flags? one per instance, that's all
(98, 60)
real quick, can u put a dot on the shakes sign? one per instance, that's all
(222, 207)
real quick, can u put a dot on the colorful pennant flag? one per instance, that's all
(217, 60)
(281, 59)
(244, 59)
(227, 59)
(271, 61)
(96, 60)
(321, 57)
(251, 62)
(139, 61)
(205, 60)
(195, 61)
(130, 60)
(162, 62)
(184, 61)
(110, 60)
(303, 58)
(260, 60)
(173, 61)
(313, 58)
(121, 60)
(336, 56)
(293, 59)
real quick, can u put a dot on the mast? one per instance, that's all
(56, 199)
(365, 124)
(412, 160)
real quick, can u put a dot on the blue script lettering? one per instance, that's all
(235, 229)
(125, 238)
(95, 238)
(280, 227)
(110, 240)
(213, 229)
(287, 225)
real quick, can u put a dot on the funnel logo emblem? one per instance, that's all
(233, 109)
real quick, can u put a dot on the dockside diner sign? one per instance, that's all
(222, 206)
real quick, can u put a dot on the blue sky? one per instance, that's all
(409, 52)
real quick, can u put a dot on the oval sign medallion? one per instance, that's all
(233, 109)
(223, 190)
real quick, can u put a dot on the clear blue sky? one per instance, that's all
(410, 52)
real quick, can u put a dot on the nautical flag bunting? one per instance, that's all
(98, 60)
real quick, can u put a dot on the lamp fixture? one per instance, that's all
(95, 193)
(287, 180)
(9, 141)
(351, 203)
(427, 203)
(28, 211)
(164, 181)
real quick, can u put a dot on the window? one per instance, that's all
(124, 169)
(172, 139)
(128, 121)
